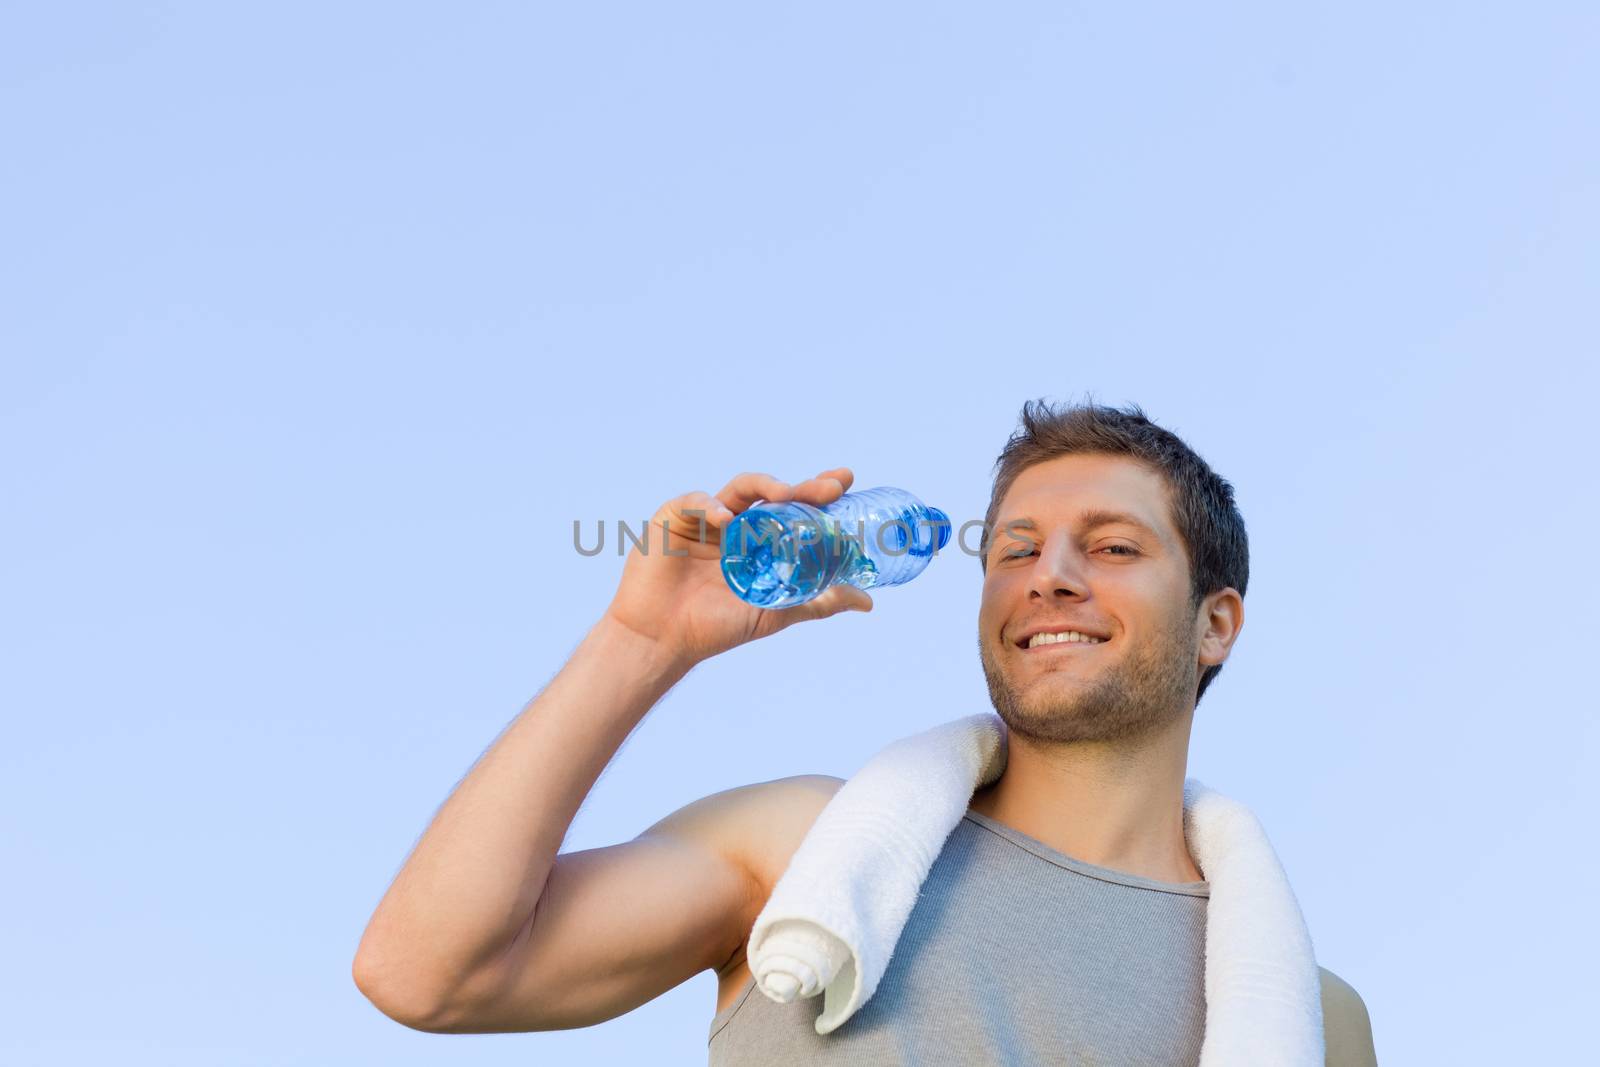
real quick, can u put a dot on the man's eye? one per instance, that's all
(1126, 550)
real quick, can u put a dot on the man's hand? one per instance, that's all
(678, 598)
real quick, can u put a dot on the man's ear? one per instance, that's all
(1221, 619)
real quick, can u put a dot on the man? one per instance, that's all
(1064, 919)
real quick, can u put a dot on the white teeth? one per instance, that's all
(1071, 636)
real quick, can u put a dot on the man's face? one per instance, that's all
(1124, 581)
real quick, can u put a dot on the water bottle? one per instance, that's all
(778, 554)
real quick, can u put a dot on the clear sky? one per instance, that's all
(322, 323)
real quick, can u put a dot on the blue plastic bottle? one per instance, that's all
(778, 554)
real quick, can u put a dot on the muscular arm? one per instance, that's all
(486, 928)
(465, 899)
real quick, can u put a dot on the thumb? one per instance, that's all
(832, 602)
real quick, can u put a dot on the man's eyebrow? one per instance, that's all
(1089, 519)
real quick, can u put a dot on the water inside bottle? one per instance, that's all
(772, 563)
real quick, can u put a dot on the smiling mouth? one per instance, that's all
(1040, 640)
(1055, 646)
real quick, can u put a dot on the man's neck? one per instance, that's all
(1115, 806)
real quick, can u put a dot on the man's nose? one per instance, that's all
(1057, 572)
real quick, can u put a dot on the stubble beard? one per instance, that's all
(1128, 700)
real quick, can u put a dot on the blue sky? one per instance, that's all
(321, 325)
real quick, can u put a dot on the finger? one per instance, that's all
(826, 487)
(844, 474)
(821, 490)
(841, 598)
(747, 488)
(837, 599)
(692, 514)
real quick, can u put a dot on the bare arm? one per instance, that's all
(458, 942)
(471, 886)
(618, 926)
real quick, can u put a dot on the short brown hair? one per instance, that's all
(1201, 501)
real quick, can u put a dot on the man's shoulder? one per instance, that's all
(758, 826)
(1345, 1024)
(774, 817)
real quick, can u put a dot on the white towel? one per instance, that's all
(835, 915)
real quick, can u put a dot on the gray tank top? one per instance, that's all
(1013, 954)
